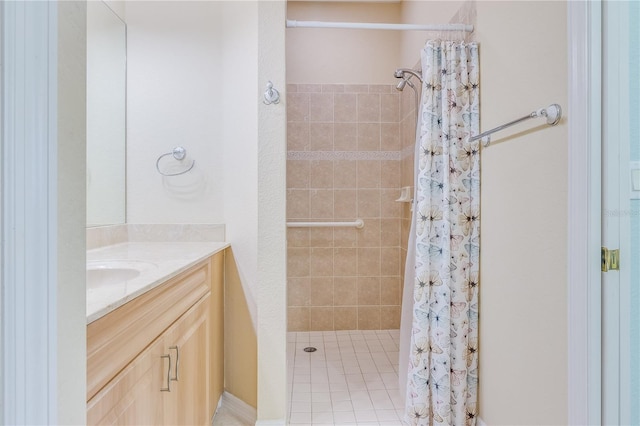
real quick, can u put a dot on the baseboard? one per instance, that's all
(480, 422)
(270, 422)
(239, 408)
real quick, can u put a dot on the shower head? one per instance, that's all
(400, 73)
(403, 83)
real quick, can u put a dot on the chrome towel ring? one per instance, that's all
(179, 153)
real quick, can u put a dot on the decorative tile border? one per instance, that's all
(344, 155)
(407, 151)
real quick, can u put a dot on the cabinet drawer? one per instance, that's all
(114, 340)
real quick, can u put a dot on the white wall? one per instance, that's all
(342, 56)
(425, 12)
(174, 98)
(272, 296)
(71, 218)
(240, 136)
(523, 284)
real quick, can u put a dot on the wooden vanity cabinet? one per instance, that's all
(133, 395)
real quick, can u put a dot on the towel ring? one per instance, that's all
(179, 153)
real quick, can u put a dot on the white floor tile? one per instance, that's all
(366, 416)
(300, 418)
(321, 407)
(352, 377)
(301, 407)
(342, 406)
(323, 417)
(387, 415)
(343, 417)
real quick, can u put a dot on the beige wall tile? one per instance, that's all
(345, 137)
(345, 237)
(369, 318)
(321, 107)
(389, 207)
(345, 291)
(298, 319)
(345, 262)
(368, 291)
(298, 291)
(345, 107)
(297, 174)
(390, 174)
(345, 173)
(381, 88)
(298, 262)
(297, 237)
(368, 136)
(390, 107)
(345, 318)
(310, 88)
(321, 136)
(292, 88)
(356, 88)
(389, 317)
(345, 206)
(320, 237)
(368, 174)
(321, 319)
(368, 262)
(322, 291)
(298, 203)
(333, 88)
(321, 203)
(321, 174)
(389, 232)
(298, 136)
(368, 108)
(390, 137)
(298, 107)
(321, 262)
(369, 235)
(369, 203)
(390, 261)
(390, 290)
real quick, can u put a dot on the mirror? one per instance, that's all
(106, 116)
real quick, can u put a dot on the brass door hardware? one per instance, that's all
(609, 259)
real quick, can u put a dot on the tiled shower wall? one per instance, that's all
(344, 162)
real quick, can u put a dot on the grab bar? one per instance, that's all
(358, 223)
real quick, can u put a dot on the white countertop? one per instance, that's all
(160, 261)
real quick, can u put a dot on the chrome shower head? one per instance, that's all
(405, 81)
(401, 73)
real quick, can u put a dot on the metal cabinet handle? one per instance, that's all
(177, 361)
(168, 388)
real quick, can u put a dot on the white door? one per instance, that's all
(621, 212)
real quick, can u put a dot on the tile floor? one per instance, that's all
(352, 378)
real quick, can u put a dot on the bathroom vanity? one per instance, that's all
(155, 351)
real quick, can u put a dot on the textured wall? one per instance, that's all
(523, 283)
(174, 98)
(343, 163)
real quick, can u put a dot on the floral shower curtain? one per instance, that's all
(442, 376)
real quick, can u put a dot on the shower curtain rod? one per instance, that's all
(379, 26)
(553, 114)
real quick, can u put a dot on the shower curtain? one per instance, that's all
(439, 331)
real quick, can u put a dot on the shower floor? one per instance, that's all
(351, 379)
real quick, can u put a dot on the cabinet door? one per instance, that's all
(133, 397)
(187, 341)
(217, 331)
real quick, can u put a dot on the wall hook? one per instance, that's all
(271, 95)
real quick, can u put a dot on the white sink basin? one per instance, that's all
(114, 273)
